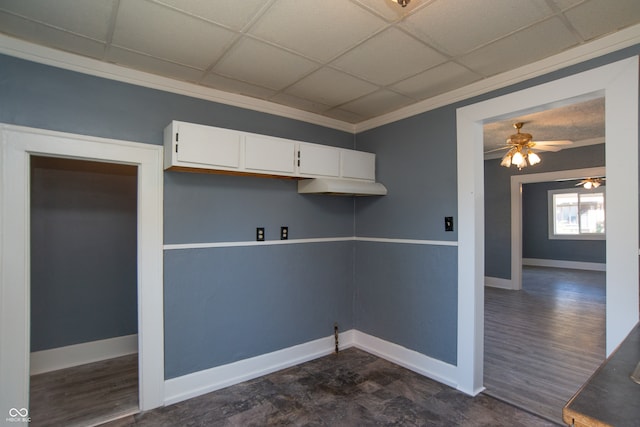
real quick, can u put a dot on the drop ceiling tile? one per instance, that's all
(330, 87)
(262, 64)
(152, 65)
(598, 17)
(457, 27)
(219, 82)
(231, 14)
(302, 104)
(88, 18)
(49, 36)
(389, 57)
(316, 29)
(440, 79)
(565, 4)
(377, 103)
(540, 41)
(169, 35)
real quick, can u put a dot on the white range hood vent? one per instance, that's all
(341, 187)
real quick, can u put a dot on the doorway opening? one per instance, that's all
(84, 364)
(618, 83)
(19, 144)
(531, 332)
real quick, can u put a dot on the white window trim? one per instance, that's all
(551, 215)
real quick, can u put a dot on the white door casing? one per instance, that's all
(18, 144)
(618, 83)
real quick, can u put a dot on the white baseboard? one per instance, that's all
(410, 359)
(80, 354)
(575, 265)
(497, 282)
(198, 383)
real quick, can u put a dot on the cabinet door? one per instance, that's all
(269, 154)
(358, 164)
(318, 160)
(206, 145)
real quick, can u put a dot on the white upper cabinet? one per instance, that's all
(358, 165)
(268, 154)
(319, 160)
(192, 147)
(205, 145)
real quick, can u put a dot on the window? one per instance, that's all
(576, 213)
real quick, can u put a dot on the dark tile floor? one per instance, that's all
(352, 388)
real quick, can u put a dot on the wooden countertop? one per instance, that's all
(610, 397)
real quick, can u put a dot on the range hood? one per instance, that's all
(341, 187)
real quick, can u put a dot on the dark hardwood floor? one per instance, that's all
(85, 395)
(544, 342)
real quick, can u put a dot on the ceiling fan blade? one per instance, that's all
(497, 149)
(552, 148)
(558, 142)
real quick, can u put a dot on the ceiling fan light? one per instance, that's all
(518, 159)
(506, 160)
(402, 3)
(587, 185)
(596, 184)
(533, 158)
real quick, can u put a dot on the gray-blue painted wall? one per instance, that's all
(83, 255)
(497, 202)
(266, 289)
(535, 231)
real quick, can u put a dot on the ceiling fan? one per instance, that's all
(589, 183)
(519, 147)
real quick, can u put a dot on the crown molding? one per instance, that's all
(65, 60)
(69, 61)
(611, 43)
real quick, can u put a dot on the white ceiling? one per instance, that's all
(350, 60)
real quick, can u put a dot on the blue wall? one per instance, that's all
(497, 202)
(407, 293)
(259, 286)
(83, 256)
(535, 231)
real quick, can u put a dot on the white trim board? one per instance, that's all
(618, 82)
(208, 380)
(80, 354)
(498, 282)
(198, 383)
(178, 246)
(573, 265)
(410, 359)
(18, 144)
(44, 55)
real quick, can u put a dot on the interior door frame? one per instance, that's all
(516, 210)
(18, 145)
(618, 83)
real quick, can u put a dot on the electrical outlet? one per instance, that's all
(284, 233)
(448, 223)
(260, 234)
